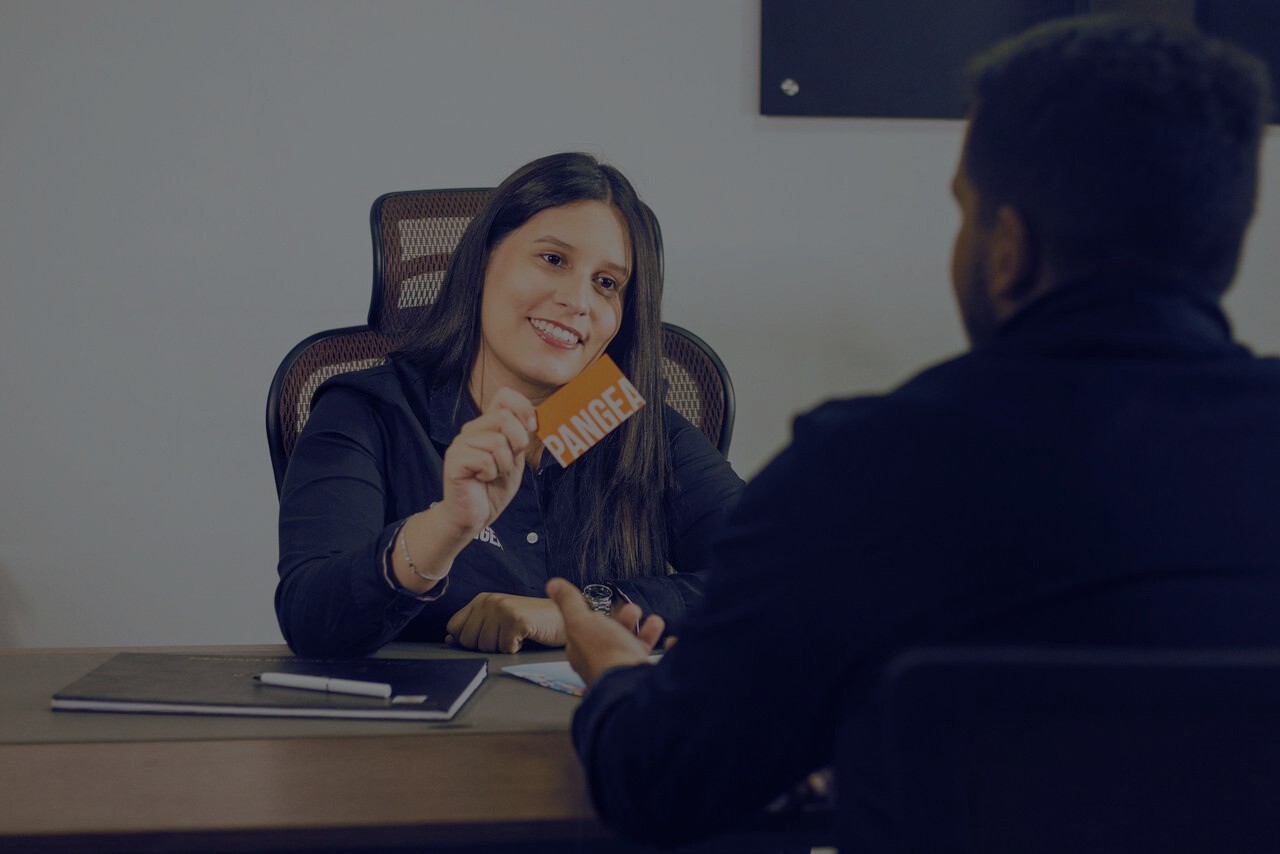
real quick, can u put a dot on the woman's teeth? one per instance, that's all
(559, 333)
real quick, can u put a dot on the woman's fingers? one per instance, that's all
(501, 622)
(476, 463)
(518, 405)
(472, 630)
(478, 624)
(459, 619)
(499, 435)
(488, 456)
(505, 637)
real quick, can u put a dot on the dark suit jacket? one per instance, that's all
(1107, 470)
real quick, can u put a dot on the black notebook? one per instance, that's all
(168, 683)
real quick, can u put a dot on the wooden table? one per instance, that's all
(502, 776)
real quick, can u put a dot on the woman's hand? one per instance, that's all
(501, 622)
(484, 464)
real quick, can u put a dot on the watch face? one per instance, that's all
(599, 597)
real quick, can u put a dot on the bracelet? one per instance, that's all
(404, 547)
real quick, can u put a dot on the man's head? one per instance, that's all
(1104, 143)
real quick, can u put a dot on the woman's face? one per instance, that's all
(552, 299)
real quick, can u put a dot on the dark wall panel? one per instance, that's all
(889, 58)
(903, 58)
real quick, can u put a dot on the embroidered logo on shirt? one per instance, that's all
(485, 536)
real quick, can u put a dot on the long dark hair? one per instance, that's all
(613, 518)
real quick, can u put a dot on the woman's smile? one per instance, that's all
(556, 334)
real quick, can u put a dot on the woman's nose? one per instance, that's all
(574, 293)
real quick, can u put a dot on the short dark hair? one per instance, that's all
(616, 516)
(1122, 142)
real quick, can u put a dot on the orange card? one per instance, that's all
(586, 410)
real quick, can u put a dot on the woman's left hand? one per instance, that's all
(502, 622)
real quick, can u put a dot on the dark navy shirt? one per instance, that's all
(1105, 470)
(371, 455)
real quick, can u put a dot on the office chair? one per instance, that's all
(414, 234)
(1047, 750)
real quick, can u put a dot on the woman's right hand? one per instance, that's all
(484, 464)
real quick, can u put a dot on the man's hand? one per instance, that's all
(501, 622)
(596, 643)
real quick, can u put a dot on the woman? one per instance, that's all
(418, 504)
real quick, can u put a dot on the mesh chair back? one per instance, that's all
(698, 385)
(324, 355)
(414, 235)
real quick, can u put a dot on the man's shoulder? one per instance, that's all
(917, 401)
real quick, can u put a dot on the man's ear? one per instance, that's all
(1011, 257)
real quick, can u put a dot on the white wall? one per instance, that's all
(184, 193)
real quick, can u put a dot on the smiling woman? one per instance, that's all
(416, 505)
(552, 299)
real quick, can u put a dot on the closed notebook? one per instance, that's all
(169, 683)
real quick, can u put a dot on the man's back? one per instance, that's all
(1101, 448)
(1104, 470)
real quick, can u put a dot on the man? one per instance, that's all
(1102, 467)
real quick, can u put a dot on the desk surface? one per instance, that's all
(502, 776)
(503, 771)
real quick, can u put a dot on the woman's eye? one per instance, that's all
(553, 259)
(607, 283)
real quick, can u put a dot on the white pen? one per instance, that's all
(324, 683)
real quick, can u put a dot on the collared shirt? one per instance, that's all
(371, 455)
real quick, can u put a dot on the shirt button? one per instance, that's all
(532, 537)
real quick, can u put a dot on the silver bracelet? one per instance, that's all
(404, 547)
